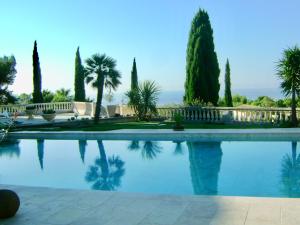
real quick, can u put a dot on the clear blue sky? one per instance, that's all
(252, 34)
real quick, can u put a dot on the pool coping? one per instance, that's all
(272, 134)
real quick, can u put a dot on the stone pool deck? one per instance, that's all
(273, 134)
(48, 206)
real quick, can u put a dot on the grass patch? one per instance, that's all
(149, 125)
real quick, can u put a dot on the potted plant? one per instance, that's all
(178, 122)
(49, 114)
(30, 110)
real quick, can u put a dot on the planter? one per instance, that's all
(49, 117)
(9, 204)
(29, 113)
(178, 128)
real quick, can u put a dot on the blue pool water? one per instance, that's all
(269, 169)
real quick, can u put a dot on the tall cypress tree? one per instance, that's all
(228, 97)
(202, 67)
(134, 77)
(37, 96)
(79, 79)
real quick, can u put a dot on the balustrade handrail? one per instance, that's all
(229, 108)
(20, 108)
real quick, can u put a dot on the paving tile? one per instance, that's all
(46, 206)
(166, 213)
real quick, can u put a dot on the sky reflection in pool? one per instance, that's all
(269, 169)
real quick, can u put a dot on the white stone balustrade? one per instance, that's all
(229, 114)
(205, 114)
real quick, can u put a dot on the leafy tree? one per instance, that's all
(288, 70)
(264, 101)
(239, 100)
(134, 77)
(228, 97)
(24, 98)
(7, 77)
(143, 100)
(79, 79)
(37, 76)
(202, 69)
(102, 73)
(47, 96)
(62, 95)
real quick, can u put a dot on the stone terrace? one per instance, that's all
(71, 207)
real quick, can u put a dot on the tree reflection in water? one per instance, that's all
(178, 148)
(40, 147)
(149, 149)
(10, 148)
(82, 149)
(106, 173)
(290, 173)
(205, 161)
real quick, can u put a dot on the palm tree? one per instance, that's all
(101, 71)
(62, 95)
(106, 174)
(143, 99)
(288, 69)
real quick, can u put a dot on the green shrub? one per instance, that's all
(48, 111)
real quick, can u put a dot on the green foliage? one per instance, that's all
(47, 96)
(7, 77)
(79, 79)
(202, 69)
(62, 95)
(37, 96)
(134, 76)
(102, 73)
(264, 101)
(288, 70)
(24, 99)
(239, 100)
(30, 107)
(143, 99)
(228, 97)
(178, 119)
(48, 111)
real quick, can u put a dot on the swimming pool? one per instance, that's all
(270, 169)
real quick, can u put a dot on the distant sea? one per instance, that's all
(176, 97)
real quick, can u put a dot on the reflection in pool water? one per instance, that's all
(10, 148)
(290, 173)
(205, 161)
(200, 168)
(106, 173)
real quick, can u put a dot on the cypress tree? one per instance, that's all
(202, 67)
(134, 78)
(79, 79)
(37, 96)
(228, 97)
